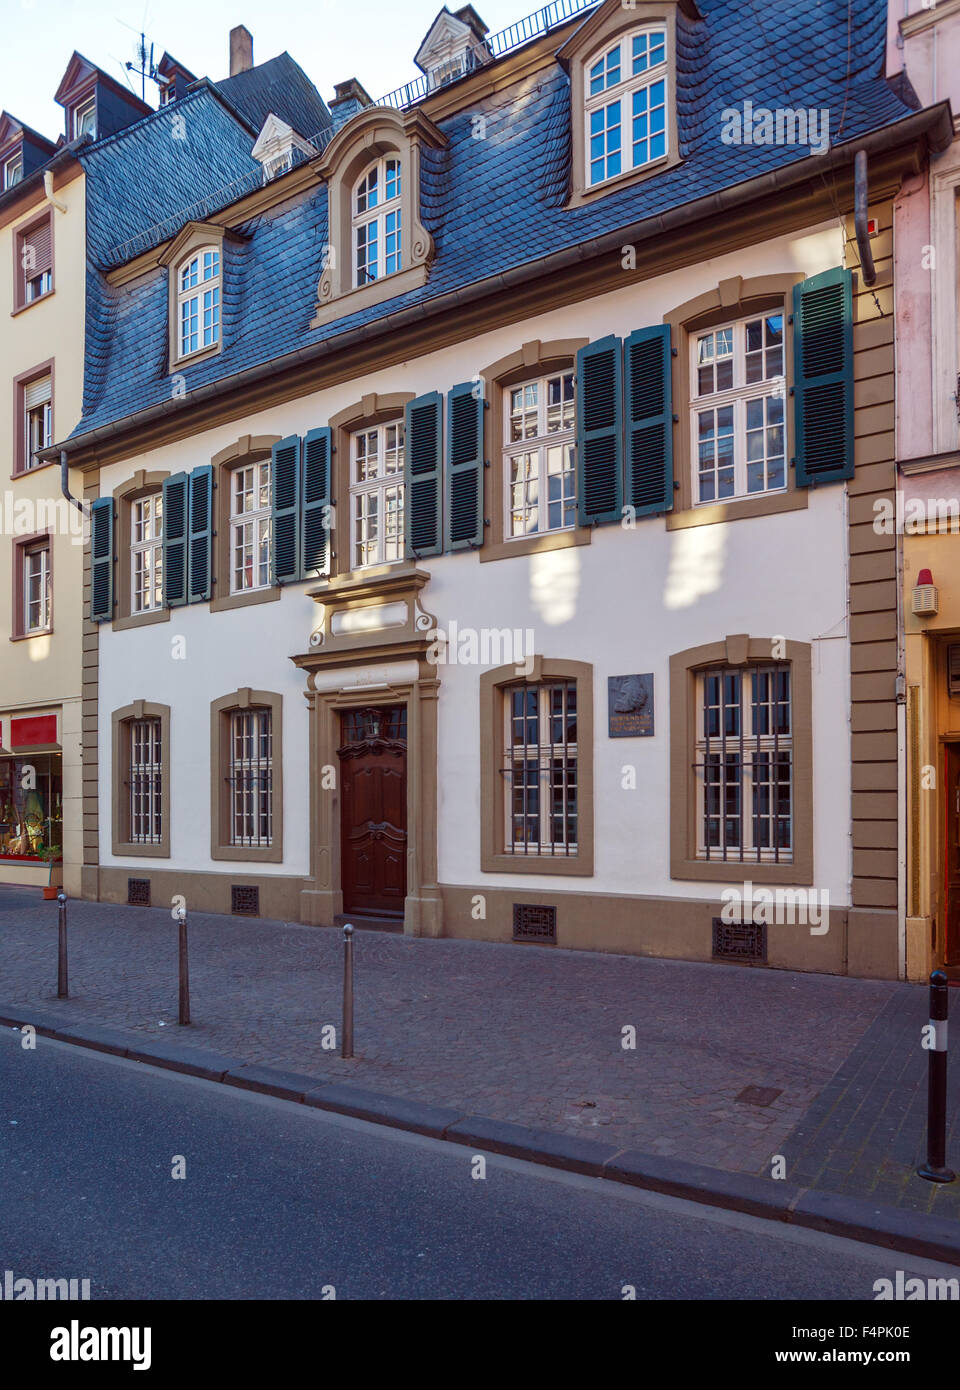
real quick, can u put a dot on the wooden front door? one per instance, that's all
(373, 817)
(952, 854)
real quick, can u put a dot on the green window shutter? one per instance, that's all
(423, 436)
(200, 567)
(823, 377)
(649, 459)
(315, 500)
(599, 432)
(101, 560)
(285, 489)
(463, 514)
(175, 540)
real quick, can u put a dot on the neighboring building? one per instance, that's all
(52, 197)
(562, 353)
(924, 45)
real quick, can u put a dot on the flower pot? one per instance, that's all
(50, 893)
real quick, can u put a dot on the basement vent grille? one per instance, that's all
(739, 941)
(531, 922)
(244, 900)
(138, 892)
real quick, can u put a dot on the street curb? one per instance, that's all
(894, 1228)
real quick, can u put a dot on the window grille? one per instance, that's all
(146, 766)
(540, 768)
(251, 777)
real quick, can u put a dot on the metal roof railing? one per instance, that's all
(492, 47)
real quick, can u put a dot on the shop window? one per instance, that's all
(31, 808)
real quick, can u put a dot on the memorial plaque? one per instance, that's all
(630, 706)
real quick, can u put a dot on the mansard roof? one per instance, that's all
(495, 203)
(279, 86)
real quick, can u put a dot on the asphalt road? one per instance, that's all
(280, 1201)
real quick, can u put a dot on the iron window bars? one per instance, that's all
(250, 778)
(540, 769)
(146, 766)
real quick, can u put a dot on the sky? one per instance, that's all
(332, 40)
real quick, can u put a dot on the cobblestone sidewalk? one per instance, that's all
(529, 1035)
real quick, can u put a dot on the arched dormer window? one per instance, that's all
(198, 301)
(626, 93)
(378, 222)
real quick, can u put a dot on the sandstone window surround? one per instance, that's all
(222, 839)
(136, 489)
(123, 722)
(249, 449)
(373, 410)
(194, 242)
(397, 138)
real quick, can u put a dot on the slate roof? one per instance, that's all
(498, 202)
(280, 86)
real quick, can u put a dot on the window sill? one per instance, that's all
(588, 192)
(352, 301)
(134, 851)
(576, 865)
(200, 355)
(39, 300)
(534, 545)
(795, 873)
(28, 636)
(153, 615)
(793, 500)
(248, 854)
(29, 472)
(245, 599)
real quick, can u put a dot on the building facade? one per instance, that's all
(483, 510)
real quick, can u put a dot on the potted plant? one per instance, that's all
(53, 854)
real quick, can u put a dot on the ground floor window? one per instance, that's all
(31, 807)
(540, 768)
(251, 777)
(145, 783)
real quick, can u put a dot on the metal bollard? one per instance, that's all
(184, 968)
(346, 1041)
(62, 945)
(935, 1169)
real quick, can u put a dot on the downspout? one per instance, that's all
(65, 481)
(48, 191)
(860, 199)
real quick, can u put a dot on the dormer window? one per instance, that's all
(626, 105)
(12, 170)
(378, 222)
(198, 301)
(85, 118)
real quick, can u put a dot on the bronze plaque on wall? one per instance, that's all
(630, 706)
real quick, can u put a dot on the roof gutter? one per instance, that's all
(935, 122)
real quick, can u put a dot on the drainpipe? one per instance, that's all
(860, 197)
(48, 191)
(65, 481)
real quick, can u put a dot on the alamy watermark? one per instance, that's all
(781, 125)
(777, 907)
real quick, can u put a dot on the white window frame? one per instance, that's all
(372, 542)
(199, 278)
(384, 215)
(250, 777)
(529, 496)
(540, 757)
(146, 781)
(622, 89)
(736, 397)
(251, 527)
(36, 587)
(742, 750)
(146, 553)
(45, 411)
(13, 170)
(85, 108)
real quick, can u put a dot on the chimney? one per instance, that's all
(241, 50)
(350, 99)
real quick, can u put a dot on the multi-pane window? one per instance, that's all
(250, 777)
(198, 301)
(376, 494)
(540, 768)
(85, 118)
(737, 409)
(37, 402)
(539, 455)
(12, 171)
(250, 527)
(146, 554)
(626, 105)
(378, 223)
(36, 587)
(146, 766)
(744, 764)
(34, 270)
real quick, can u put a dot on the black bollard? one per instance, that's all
(184, 968)
(346, 1041)
(62, 946)
(935, 1169)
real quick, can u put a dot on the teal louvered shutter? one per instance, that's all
(423, 454)
(101, 560)
(200, 520)
(285, 486)
(599, 432)
(175, 540)
(463, 514)
(649, 414)
(315, 503)
(823, 377)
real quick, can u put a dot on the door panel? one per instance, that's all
(373, 823)
(952, 854)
